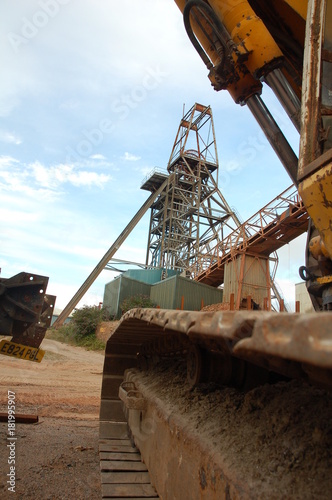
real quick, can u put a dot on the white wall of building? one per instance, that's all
(301, 295)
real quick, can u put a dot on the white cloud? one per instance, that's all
(231, 166)
(98, 157)
(17, 216)
(7, 161)
(88, 179)
(130, 157)
(36, 177)
(95, 162)
(9, 137)
(52, 177)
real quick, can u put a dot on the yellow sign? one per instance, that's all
(21, 351)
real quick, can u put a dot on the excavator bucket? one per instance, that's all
(25, 314)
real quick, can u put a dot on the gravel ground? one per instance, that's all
(278, 437)
(56, 458)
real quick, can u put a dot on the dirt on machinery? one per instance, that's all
(276, 440)
(278, 437)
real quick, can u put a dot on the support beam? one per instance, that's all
(108, 255)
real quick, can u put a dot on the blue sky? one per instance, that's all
(91, 95)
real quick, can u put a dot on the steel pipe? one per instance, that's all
(274, 135)
(285, 95)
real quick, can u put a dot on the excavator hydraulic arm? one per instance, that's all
(286, 44)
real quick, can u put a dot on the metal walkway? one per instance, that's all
(275, 225)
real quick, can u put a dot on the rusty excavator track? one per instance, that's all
(241, 349)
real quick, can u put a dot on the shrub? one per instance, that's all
(136, 301)
(86, 320)
(65, 333)
(81, 330)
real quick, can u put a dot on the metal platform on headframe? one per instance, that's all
(154, 180)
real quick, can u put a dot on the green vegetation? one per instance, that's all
(81, 330)
(136, 301)
(86, 320)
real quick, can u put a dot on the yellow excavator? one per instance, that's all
(246, 44)
(148, 409)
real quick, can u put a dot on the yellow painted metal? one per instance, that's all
(248, 31)
(324, 280)
(213, 55)
(299, 6)
(21, 351)
(244, 88)
(316, 193)
(244, 85)
(317, 247)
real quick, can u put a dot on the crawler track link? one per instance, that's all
(292, 345)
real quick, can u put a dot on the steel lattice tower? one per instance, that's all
(190, 216)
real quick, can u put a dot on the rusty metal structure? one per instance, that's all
(25, 311)
(251, 245)
(245, 45)
(192, 227)
(190, 216)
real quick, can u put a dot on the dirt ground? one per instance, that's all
(278, 437)
(56, 458)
